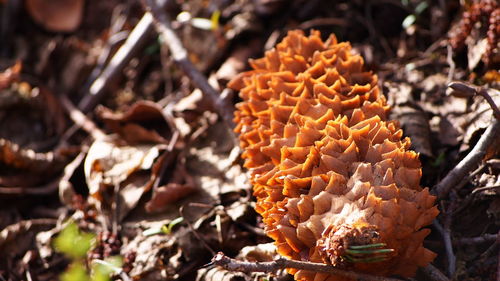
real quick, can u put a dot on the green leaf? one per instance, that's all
(102, 269)
(75, 272)
(167, 229)
(72, 242)
(215, 19)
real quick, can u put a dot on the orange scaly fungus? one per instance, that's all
(334, 180)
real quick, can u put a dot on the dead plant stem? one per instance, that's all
(470, 162)
(234, 265)
(180, 56)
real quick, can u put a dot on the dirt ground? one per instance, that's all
(113, 145)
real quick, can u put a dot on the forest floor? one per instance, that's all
(117, 155)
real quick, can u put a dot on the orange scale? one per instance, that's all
(290, 235)
(285, 99)
(294, 153)
(351, 103)
(292, 171)
(316, 70)
(305, 207)
(333, 164)
(307, 137)
(333, 103)
(360, 90)
(312, 161)
(284, 249)
(280, 113)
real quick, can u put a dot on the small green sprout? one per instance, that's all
(165, 229)
(74, 243)
(75, 272)
(101, 269)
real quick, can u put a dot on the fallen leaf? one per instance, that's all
(56, 15)
(259, 253)
(170, 193)
(109, 164)
(412, 118)
(475, 51)
(142, 122)
(478, 117)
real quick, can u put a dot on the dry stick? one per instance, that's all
(485, 238)
(470, 162)
(450, 255)
(81, 119)
(434, 273)
(117, 63)
(180, 56)
(486, 95)
(469, 90)
(234, 265)
(48, 188)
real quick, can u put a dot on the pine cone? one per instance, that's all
(334, 180)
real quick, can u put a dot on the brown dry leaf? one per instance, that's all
(16, 239)
(214, 174)
(475, 50)
(56, 15)
(412, 118)
(478, 117)
(148, 250)
(10, 75)
(109, 164)
(220, 274)
(165, 195)
(259, 253)
(142, 122)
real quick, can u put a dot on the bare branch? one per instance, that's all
(180, 56)
(81, 119)
(470, 162)
(134, 41)
(434, 274)
(234, 265)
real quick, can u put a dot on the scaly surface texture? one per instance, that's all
(331, 175)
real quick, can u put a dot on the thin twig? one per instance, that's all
(48, 188)
(195, 233)
(180, 56)
(486, 95)
(81, 119)
(479, 189)
(451, 63)
(433, 273)
(468, 90)
(134, 41)
(485, 238)
(450, 255)
(11, 231)
(470, 162)
(234, 265)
